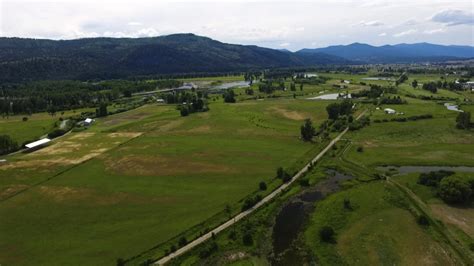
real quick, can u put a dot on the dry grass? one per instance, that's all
(462, 218)
(293, 115)
(163, 166)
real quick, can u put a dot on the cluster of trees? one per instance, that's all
(7, 144)
(434, 86)
(463, 120)
(195, 102)
(335, 110)
(374, 92)
(229, 96)
(401, 79)
(392, 100)
(54, 96)
(283, 175)
(405, 119)
(450, 187)
(307, 130)
(269, 86)
(316, 80)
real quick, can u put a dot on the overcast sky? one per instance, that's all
(277, 24)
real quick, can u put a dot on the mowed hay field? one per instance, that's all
(137, 179)
(434, 141)
(379, 230)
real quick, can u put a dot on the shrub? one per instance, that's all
(247, 239)
(208, 250)
(24, 119)
(304, 182)
(347, 204)
(56, 133)
(326, 233)
(360, 149)
(262, 186)
(454, 189)
(182, 241)
(423, 220)
(432, 179)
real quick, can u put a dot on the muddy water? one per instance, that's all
(292, 217)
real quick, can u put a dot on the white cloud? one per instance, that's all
(434, 31)
(382, 34)
(285, 44)
(405, 33)
(373, 23)
(452, 17)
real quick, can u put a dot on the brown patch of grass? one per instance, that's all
(200, 129)
(124, 134)
(162, 166)
(12, 189)
(57, 148)
(170, 126)
(293, 115)
(82, 135)
(460, 217)
(64, 194)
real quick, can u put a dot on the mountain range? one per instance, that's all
(104, 58)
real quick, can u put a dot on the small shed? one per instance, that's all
(160, 101)
(389, 111)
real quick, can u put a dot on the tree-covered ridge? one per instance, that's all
(107, 58)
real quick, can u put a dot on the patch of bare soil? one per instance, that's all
(460, 217)
(293, 115)
(162, 166)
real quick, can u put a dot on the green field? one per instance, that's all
(145, 169)
(135, 182)
(378, 231)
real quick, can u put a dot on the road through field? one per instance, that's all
(243, 214)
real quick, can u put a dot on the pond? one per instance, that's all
(378, 78)
(453, 107)
(331, 96)
(292, 217)
(425, 169)
(233, 84)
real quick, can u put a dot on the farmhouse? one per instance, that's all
(389, 111)
(37, 144)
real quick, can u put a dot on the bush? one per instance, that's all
(432, 179)
(262, 186)
(56, 133)
(24, 119)
(360, 149)
(454, 189)
(208, 250)
(347, 204)
(423, 220)
(326, 233)
(304, 182)
(250, 202)
(182, 242)
(247, 239)
(7, 144)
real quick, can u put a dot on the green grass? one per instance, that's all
(379, 230)
(38, 125)
(135, 195)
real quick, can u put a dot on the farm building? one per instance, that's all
(160, 101)
(88, 121)
(37, 144)
(389, 111)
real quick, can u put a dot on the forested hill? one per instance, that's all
(104, 58)
(399, 53)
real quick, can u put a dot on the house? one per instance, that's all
(469, 85)
(160, 101)
(37, 144)
(187, 86)
(389, 111)
(347, 81)
(88, 121)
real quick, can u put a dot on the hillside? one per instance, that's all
(30, 59)
(400, 53)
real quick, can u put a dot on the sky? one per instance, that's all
(291, 25)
